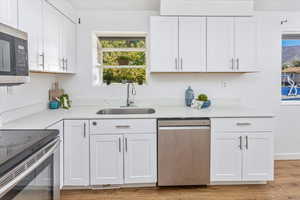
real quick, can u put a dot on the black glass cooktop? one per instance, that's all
(17, 145)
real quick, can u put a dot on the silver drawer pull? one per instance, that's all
(123, 126)
(243, 124)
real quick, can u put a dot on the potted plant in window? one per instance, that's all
(140, 79)
(123, 60)
(108, 76)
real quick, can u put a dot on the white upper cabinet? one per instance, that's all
(106, 159)
(76, 153)
(220, 44)
(51, 37)
(31, 21)
(52, 27)
(192, 44)
(203, 44)
(140, 158)
(245, 44)
(231, 44)
(164, 44)
(178, 44)
(68, 46)
(9, 12)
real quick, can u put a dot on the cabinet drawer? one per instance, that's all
(242, 124)
(122, 126)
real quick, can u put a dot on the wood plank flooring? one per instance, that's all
(285, 187)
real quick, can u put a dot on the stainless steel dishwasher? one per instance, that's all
(183, 152)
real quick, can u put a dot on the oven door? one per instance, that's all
(7, 55)
(38, 182)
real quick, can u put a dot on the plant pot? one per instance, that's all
(123, 61)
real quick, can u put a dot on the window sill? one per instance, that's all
(290, 103)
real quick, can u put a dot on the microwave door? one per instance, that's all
(6, 55)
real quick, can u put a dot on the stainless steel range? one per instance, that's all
(29, 165)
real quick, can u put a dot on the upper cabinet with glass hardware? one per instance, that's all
(52, 37)
(203, 44)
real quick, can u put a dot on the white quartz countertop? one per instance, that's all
(47, 118)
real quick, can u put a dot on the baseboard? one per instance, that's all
(287, 156)
(239, 183)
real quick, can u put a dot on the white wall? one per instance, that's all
(277, 5)
(250, 89)
(19, 101)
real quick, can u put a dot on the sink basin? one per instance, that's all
(126, 111)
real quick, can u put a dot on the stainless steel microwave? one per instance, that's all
(14, 68)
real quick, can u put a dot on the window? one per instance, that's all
(123, 59)
(290, 83)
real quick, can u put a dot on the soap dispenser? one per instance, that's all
(189, 96)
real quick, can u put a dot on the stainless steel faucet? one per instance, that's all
(129, 100)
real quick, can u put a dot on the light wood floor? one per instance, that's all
(285, 187)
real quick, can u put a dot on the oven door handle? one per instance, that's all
(51, 148)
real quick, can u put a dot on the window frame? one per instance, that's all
(121, 34)
(288, 31)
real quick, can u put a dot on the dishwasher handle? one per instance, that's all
(185, 128)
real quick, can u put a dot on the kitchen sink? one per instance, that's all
(126, 111)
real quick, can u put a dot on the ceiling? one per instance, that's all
(116, 4)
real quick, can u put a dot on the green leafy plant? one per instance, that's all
(202, 97)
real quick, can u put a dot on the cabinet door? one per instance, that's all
(245, 44)
(76, 153)
(106, 159)
(9, 12)
(220, 44)
(140, 158)
(60, 126)
(192, 44)
(226, 157)
(52, 35)
(258, 156)
(69, 46)
(31, 21)
(164, 44)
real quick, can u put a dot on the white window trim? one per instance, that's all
(286, 32)
(123, 34)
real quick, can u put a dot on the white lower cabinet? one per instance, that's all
(76, 153)
(226, 158)
(140, 158)
(241, 155)
(121, 157)
(106, 159)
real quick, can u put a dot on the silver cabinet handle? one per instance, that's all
(176, 64)
(243, 124)
(119, 145)
(181, 63)
(84, 130)
(123, 126)
(232, 64)
(66, 60)
(42, 55)
(241, 143)
(247, 143)
(238, 63)
(126, 146)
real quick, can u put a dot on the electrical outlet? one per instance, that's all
(224, 84)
